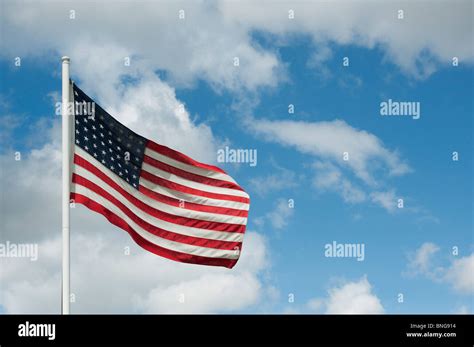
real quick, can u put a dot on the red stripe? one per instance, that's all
(151, 247)
(190, 176)
(171, 153)
(192, 206)
(183, 189)
(169, 235)
(184, 221)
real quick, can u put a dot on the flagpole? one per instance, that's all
(66, 145)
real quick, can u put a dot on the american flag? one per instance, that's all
(170, 204)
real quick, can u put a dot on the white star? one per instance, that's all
(110, 141)
(77, 131)
(110, 150)
(112, 167)
(77, 141)
(103, 152)
(112, 158)
(93, 135)
(103, 161)
(93, 127)
(120, 173)
(101, 135)
(100, 125)
(95, 146)
(134, 176)
(86, 148)
(86, 138)
(95, 154)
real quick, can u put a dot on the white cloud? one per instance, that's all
(105, 279)
(421, 261)
(349, 298)
(329, 177)
(279, 179)
(31, 191)
(202, 46)
(426, 38)
(330, 142)
(280, 215)
(387, 200)
(459, 274)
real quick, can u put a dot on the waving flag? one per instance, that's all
(170, 204)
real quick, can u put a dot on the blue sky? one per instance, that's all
(437, 191)
(441, 187)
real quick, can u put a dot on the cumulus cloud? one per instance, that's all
(203, 45)
(107, 278)
(278, 216)
(354, 297)
(329, 177)
(331, 142)
(447, 28)
(420, 262)
(387, 199)
(459, 274)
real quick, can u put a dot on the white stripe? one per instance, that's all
(177, 211)
(197, 199)
(175, 228)
(191, 184)
(189, 168)
(186, 197)
(171, 245)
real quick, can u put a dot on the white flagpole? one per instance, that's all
(66, 146)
